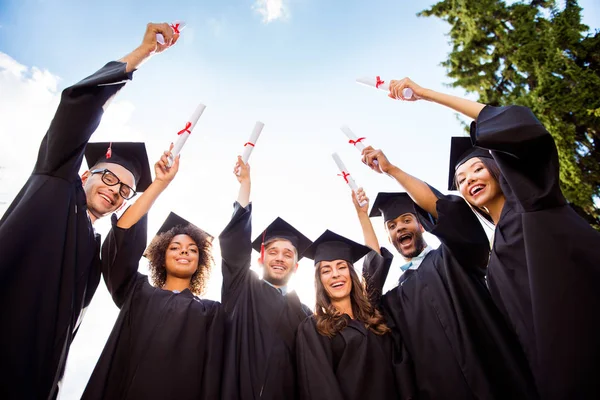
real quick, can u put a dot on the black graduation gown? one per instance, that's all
(164, 345)
(460, 344)
(545, 264)
(354, 364)
(49, 262)
(262, 323)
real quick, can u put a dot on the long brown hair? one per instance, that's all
(494, 170)
(330, 321)
(158, 248)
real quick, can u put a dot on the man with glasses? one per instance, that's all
(115, 170)
(49, 263)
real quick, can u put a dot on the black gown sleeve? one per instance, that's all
(316, 375)
(121, 253)
(375, 271)
(236, 248)
(525, 152)
(77, 117)
(458, 228)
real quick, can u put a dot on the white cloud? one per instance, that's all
(29, 99)
(271, 10)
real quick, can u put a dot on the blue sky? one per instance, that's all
(294, 72)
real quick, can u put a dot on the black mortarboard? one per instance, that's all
(330, 246)
(393, 205)
(279, 229)
(461, 150)
(171, 222)
(129, 155)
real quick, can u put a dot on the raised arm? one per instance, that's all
(466, 107)
(242, 173)
(81, 108)
(126, 241)
(363, 217)
(121, 253)
(164, 176)
(418, 190)
(235, 240)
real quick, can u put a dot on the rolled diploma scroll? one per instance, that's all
(183, 137)
(351, 136)
(180, 25)
(344, 171)
(249, 146)
(385, 85)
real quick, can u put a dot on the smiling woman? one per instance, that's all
(181, 253)
(345, 350)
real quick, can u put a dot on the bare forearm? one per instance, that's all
(418, 190)
(142, 205)
(466, 107)
(244, 193)
(136, 58)
(368, 232)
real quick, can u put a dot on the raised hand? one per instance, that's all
(241, 170)
(149, 42)
(162, 171)
(359, 197)
(397, 88)
(369, 155)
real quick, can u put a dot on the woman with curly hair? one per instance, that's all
(345, 350)
(167, 342)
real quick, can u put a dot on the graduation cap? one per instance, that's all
(392, 205)
(330, 246)
(279, 229)
(130, 155)
(171, 222)
(461, 150)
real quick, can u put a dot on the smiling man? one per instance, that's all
(49, 262)
(263, 315)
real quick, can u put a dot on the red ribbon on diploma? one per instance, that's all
(379, 82)
(248, 143)
(109, 151)
(355, 142)
(345, 175)
(175, 28)
(186, 129)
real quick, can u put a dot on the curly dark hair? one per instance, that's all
(330, 321)
(158, 248)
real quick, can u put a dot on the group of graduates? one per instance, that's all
(519, 320)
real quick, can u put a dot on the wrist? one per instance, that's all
(161, 184)
(427, 94)
(362, 215)
(390, 170)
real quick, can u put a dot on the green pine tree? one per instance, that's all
(537, 55)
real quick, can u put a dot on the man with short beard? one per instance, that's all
(441, 309)
(263, 315)
(49, 252)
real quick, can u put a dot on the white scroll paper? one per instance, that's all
(353, 140)
(251, 143)
(346, 175)
(185, 133)
(177, 27)
(379, 83)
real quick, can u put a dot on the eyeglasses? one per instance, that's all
(111, 179)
